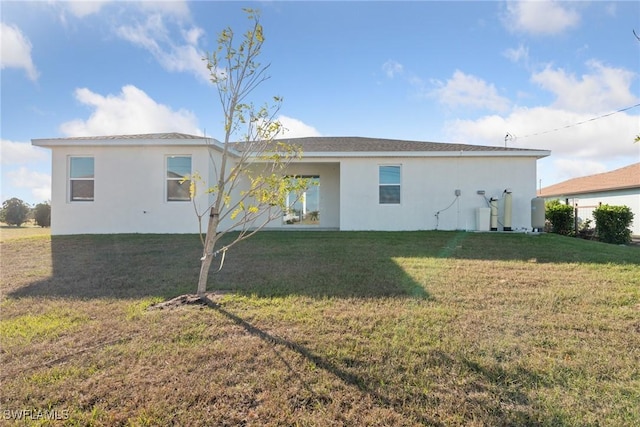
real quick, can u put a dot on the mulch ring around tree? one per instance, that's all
(207, 299)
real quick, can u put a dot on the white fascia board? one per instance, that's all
(90, 142)
(414, 154)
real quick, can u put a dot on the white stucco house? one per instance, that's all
(619, 187)
(131, 183)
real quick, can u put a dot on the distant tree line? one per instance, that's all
(16, 212)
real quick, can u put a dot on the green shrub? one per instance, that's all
(42, 214)
(612, 224)
(560, 216)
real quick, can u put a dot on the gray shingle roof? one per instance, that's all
(169, 135)
(361, 144)
(320, 145)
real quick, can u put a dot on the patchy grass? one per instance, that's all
(23, 329)
(324, 328)
(8, 232)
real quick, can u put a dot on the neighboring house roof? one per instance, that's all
(317, 146)
(619, 179)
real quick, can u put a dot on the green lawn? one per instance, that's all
(323, 328)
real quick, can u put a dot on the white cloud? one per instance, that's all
(546, 17)
(154, 36)
(576, 150)
(176, 8)
(294, 128)
(604, 89)
(460, 91)
(156, 26)
(131, 111)
(521, 54)
(392, 68)
(567, 168)
(577, 127)
(83, 8)
(556, 130)
(145, 35)
(37, 182)
(611, 9)
(192, 35)
(465, 90)
(15, 153)
(16, 50)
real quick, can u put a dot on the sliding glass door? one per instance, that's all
(304, 207)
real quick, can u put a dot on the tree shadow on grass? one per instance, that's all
(491, 395)
(321, 363)
(318, 265)
(114, 266)
(270, 264)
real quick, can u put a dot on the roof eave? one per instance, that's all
(144, 142)
(538, 154)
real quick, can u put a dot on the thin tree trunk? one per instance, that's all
(207, 255)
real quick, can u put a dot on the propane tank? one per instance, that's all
(537, 214)
(493, 203)
(507, 209)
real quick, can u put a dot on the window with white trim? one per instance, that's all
(81, 179)
(389, 184)
(177, 187)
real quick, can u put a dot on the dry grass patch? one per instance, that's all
(28, 230)
(430, 328)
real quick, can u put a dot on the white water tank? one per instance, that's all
(493, 203)
(508, 203)
(537, 214)
(482, 219)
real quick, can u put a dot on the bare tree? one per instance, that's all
(637, 138)
(252, 185)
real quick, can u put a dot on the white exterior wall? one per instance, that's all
(428, 185)
(129, 191)
(586, 203)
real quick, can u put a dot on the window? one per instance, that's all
(389, 181)
(81, 179)
(177, 168)
(304, 208)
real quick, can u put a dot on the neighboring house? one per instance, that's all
(131, 183)
(620, 187)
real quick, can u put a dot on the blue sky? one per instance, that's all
(469, 72)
